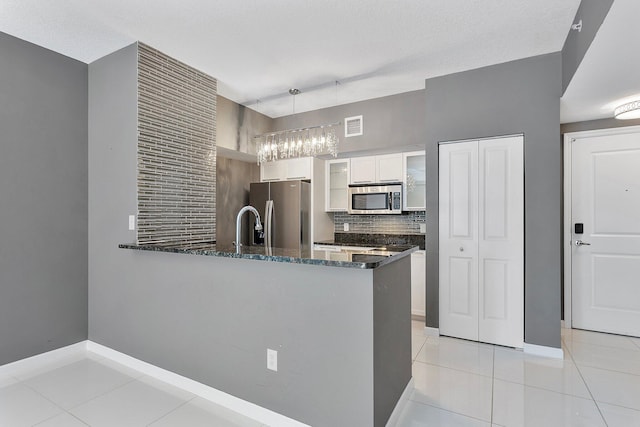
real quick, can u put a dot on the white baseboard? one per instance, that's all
(404, 398)
(243, 407)
(79, 350)
(50, 360)
(541, 350)
(431, 332)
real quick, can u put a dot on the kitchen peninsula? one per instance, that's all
(341, 327)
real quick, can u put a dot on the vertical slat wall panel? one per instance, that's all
(176, 151)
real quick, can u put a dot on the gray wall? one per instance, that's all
(592, 13)
(43, 193)
(597, 124)
(112, 177)
(392, 336)
(391, 123)
(515, 97)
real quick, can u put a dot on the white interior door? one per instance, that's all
(458, 230)
(481, 240)
(605, 270)
(501, 241)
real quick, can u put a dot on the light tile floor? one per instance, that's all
(457, 384)
(461, 383)
(93, 391)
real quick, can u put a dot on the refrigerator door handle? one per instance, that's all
(269, 223)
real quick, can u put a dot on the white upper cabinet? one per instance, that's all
(363, 170)
(337, 185)
(376, 169)
(389, 168)
(414, 180)
(299, 168)
(272, 171)
(282, 170)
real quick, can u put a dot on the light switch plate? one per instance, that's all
(272, 360)
(345, 226)
(132, 222)
(423, 228)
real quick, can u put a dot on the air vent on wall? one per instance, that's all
(353, 126)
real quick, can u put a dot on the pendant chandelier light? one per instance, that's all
(302, 142)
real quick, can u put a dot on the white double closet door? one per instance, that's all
(481, 240)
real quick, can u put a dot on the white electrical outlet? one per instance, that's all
(423, 228)
(272, 360)
(132, 222)
(345, 226)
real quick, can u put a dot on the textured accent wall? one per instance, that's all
(408, 223)
(176, 151)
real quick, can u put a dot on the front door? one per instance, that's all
(605, 206)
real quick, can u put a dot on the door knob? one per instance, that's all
(581, 243)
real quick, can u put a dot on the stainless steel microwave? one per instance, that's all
(375, 199)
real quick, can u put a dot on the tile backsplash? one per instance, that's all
(176, 151)
(406, 223)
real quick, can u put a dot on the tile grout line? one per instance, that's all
(586, 385)
(453, 369)
(171, 411)
(451, 412)
(599, 367)
(101, 395)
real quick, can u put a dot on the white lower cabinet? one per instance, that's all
(418, 281)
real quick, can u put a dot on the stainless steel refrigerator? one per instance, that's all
(285, 208)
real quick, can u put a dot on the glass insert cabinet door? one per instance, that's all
(414, 181)
(337, 184)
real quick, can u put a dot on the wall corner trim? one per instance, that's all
(402, 402)
(431, 332)
(541, 350)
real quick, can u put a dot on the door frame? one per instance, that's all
(569, 139)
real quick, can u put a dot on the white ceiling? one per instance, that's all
(258, 49)
(609, 74)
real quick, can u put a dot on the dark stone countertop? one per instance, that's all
(349, 259)
(376, 239)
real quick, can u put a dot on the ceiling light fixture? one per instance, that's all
(630, 110)
(302, 142)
